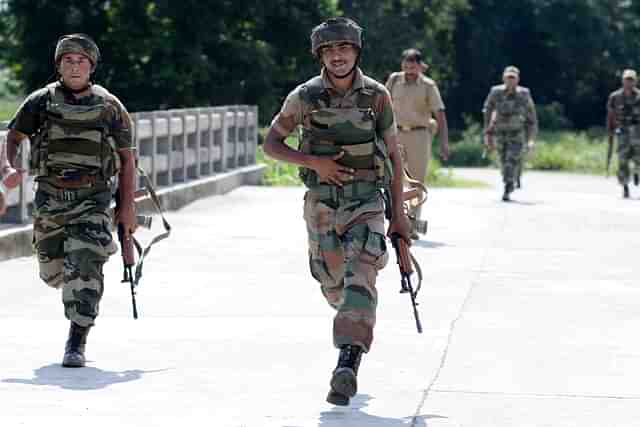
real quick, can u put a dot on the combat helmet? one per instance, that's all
(335, 30)
(77, 43)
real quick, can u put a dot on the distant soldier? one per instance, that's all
(416, 101)
(81, 138)
(513, 128)
(623, 119)
(9, 178)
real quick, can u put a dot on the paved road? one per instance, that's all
(531, 313)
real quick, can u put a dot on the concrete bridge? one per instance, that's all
(530, 309)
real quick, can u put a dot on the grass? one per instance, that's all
(8, 108)
(566, 151)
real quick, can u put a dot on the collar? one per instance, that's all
(403, 78)
(358, 81)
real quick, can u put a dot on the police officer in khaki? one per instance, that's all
(623, 120)
(81, 138)
(416, 101)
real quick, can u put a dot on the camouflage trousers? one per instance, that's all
(73, 241)
(628, 151)
(347, 248)
(511, 147)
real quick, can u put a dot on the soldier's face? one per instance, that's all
(75, 70)
(511, 81)
(339, 58)
(411, 67)
(628, 83)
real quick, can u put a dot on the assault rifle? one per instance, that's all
(609, 153)
(405, 263)
(129, 242)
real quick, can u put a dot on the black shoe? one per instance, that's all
(344, 381)
(508, 189)
(518, 185)
(625, 191)
(74, 349)
(636, 179)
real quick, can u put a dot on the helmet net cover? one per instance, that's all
(335, 30)
(77, 43)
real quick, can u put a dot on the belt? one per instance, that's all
(411, 128)
(355, 190)
(71, 194)
(82, 181)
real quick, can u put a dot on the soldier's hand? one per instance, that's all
(330, 171)
(444, 151)
(400, 224)
(11, 177)
(127, 217)
(488, 142)
(531, 145)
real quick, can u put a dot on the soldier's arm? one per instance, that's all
(386, 127)
(532, 119)
(122, 132)
(611, 117)
(488, 109)
(282, 126)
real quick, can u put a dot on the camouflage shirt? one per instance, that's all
(30, 116)
(625, 108)
(295, 111)
(515, 111)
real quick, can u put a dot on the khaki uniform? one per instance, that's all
(415, 104)
(345, 226)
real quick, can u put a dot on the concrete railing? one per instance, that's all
(175, 147)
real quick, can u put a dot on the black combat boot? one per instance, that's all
(508, 189)
(636, 179)
(74, 349)
(344, 382)
(625, 191)
(518, 182)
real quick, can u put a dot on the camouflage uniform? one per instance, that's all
(515, 123)
(627, 116)
(345, 226)
(72, 226)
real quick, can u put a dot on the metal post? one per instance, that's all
(170, 150)
(197, 142)
(211, 140)
(224, 139)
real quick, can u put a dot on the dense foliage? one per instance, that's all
(166, 54)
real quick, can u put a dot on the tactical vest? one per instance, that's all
(627, 109)
(511, 111)
(74, 138)
(348, 130)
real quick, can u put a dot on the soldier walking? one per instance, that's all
(511, 124)
(81, 138)
(623, 120)
(348, 147)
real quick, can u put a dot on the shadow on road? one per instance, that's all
(355, 416)
(428, 244)
(87, 378)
